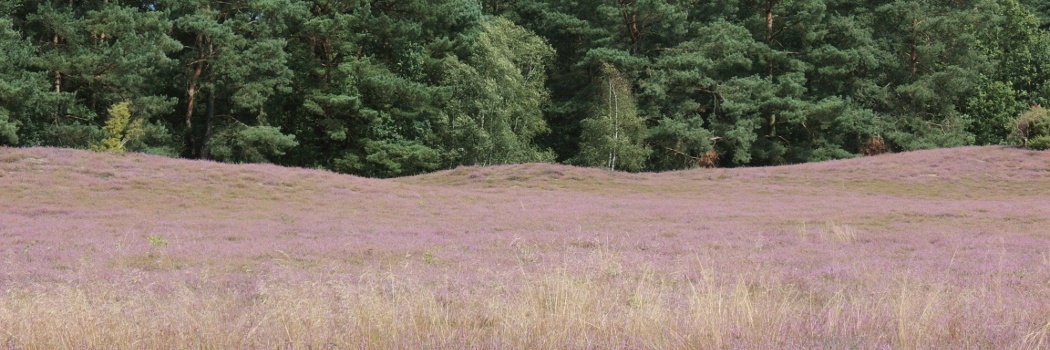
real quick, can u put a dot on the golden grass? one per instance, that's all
(599, 307)
(832, 231)
(842, 233)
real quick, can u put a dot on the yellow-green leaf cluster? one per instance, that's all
(119, 129)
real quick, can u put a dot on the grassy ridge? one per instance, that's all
(943, 248)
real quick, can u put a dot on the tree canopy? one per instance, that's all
(398, 87)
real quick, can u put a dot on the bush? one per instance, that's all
(70, 135)
(1040, 143)
(156, 139)
(249, 144)
(875, 146)
(8, 129)
(1032, 129)
(119, 129)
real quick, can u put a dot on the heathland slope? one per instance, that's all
(941, 247)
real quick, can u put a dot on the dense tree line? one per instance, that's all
(396, 87)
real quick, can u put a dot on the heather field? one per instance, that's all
(944, 249)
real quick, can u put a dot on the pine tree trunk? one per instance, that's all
(769, 31)
(209, 122)
(58, 74)
(61, 112)
(191, 90)
(914, 55)
(191, 95)
(210, 116)
(769, 19)
(616, 126)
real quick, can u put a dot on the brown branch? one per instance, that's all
(708, 160)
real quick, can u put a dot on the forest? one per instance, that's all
(386, 88)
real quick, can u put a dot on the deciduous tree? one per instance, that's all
(613, 137)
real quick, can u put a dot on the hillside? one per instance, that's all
(54, 197)
(958, 220)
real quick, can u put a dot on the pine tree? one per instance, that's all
(933, 71)
(235, 53)
(95, 54)
(19, 87)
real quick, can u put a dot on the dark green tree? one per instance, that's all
(934, 72)
(686, 89)
(570, 28)
(330, 63)
(96, 53)
(235, 55)
(19, 85)
(400, 83)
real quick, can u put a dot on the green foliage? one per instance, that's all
(1013, 40)
(240, 143)
(119, 129)
(1040, 143)
(71, 135)
(500, 95)
(1032, 128)
(829, 152)
(395, 88)
(18, 85)
(96, 54)
(157, 241)
(155, 138)
(992, 109)
(613, 137)
(677, 144)
(687, 89)
(8, 129)
(397, 158)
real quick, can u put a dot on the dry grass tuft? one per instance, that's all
(841, 233)
(832, 231)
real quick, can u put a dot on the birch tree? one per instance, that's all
(613, 136)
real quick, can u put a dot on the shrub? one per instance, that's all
(1041, 143)
(708, 160)
(240, 143)
(875, 146)
(8, 129)
(157, 139)
(1032, 129)
(119, 129)
(74, 135)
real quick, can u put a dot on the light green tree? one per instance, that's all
(1020, 50)
(613, 137)
(120, 129)
(500, 95)
(1032, 128)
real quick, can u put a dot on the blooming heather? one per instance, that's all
(934, 249)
